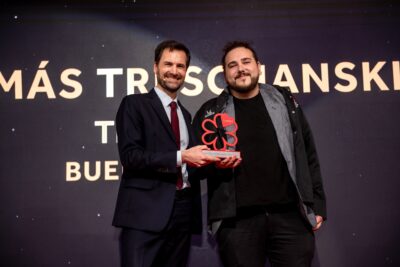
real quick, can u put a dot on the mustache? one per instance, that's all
(241, 74)
(171, 75)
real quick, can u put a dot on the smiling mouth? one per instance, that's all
(176, 78)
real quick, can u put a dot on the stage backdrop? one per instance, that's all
(64, 69)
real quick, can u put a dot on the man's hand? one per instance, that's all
(319, 222)
(230, 162)
(195, 157)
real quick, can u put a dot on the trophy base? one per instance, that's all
(222, 153)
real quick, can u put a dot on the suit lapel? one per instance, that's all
(186, 116)
(160, 111)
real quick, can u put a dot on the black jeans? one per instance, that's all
(283, 237)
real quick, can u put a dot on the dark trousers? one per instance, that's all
(169, 248)
(282, 237)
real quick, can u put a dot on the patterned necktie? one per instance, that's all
(175, 129)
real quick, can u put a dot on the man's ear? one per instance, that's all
(155, 68)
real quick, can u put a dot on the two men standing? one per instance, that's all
(265, 204)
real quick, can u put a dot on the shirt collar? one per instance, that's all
(165, 99)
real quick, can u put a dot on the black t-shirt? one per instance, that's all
(262, 179)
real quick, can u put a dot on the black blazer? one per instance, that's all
(147, 150)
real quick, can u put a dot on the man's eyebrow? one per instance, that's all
(242, 59)
(230, 62)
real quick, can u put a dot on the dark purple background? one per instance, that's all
(46, 221)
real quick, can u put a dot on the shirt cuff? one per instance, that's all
(178, 158)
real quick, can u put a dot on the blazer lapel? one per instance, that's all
(188, 121)
(160, 111)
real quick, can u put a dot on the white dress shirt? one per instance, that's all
(183, 131)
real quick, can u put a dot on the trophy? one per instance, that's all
(220, 134)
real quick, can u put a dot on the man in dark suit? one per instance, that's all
(158, 205)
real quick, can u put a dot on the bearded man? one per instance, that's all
(267, 203)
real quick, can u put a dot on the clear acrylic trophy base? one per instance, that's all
(222, 153)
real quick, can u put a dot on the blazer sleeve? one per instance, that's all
(319, 199)
(136, 148)
(314, 167)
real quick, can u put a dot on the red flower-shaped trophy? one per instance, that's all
(220, 135)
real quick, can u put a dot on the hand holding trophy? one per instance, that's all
(220, 135)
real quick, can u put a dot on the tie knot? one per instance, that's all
(173, 105)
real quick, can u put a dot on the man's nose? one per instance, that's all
(240, 67)
(174, 69)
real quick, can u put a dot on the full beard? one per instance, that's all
(245, 88)
(173, 88)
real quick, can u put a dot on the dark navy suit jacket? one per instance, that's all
(148, 153)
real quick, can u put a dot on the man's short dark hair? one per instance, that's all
(171, 45)
(235, 44)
